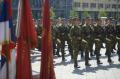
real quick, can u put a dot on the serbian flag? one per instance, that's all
(26, 40)
(7, 42)
(47, 68)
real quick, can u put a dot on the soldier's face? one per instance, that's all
(99, 22)
(88, 21)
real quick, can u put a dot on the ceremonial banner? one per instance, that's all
(47, 68)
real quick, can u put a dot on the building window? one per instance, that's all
(119, 6)
(107, 6)
(77, 4)
(85, 5)
(100, 5)
(93, 5)
(114, 6)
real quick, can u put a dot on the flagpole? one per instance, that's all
(7, 68)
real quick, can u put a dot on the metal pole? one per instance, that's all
(117, 12)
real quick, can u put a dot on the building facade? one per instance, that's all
(60, 7)
(95, 7)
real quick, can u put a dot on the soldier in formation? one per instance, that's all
(81, 36)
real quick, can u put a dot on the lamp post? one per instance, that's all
(117, 12)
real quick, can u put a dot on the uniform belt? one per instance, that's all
(97, 39)
(118, 38)
(107, 39)
(79, 38)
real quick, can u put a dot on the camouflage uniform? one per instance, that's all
(54, 39)
(118, 40)
(75, 34)
(62, 35)
(86, 34)
(81, 45)
(69, 40)
(57, 40)
(91, 40)
(98, 42)
(103, 34)
(109, 41)
(39, 34)
(114, 40)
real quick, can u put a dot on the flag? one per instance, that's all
(47, 68)
(26, 40)
(7, 41)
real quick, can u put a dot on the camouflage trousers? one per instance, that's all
(98, 44)
(86, 48)
(75, 46)
(109, 45)
(118, 52)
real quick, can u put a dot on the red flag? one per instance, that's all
(47, 68)
(27, 39)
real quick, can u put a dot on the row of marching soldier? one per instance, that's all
(81, 35)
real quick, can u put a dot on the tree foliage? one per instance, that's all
(102, 14)
(73, 13)
(52, 13)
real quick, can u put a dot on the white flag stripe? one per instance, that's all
(4, 32)
(12, 65)
(5, 36)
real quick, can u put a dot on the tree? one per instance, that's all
(86, 14)
(73, 13)
(52, 13)
(102, 14)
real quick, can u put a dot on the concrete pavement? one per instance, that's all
(65, 70)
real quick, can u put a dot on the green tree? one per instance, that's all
(86, 14)
(102, 14)
(52, 13)
(73, 13)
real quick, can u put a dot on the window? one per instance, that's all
(118, 6)
(85, 5)
(107, 6)
(77, 4)
(114, 6)
(93, 5)
(100, 5)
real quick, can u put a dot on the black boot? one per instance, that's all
(119, 59)
(98, 62)
(110, 61)
(92, 54)
(76, 64)
(87, 64)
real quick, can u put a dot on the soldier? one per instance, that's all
(57, 37)
(118, 40)
(114, 40)
(82, 45)
(54, 36)
(39, 33)
(92, 38)
(97, 40)
(86, 33)
(62, 35)
(76, 34)
(103, 33)
(109, 40)
(69, 40)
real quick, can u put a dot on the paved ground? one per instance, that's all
(65, 70)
